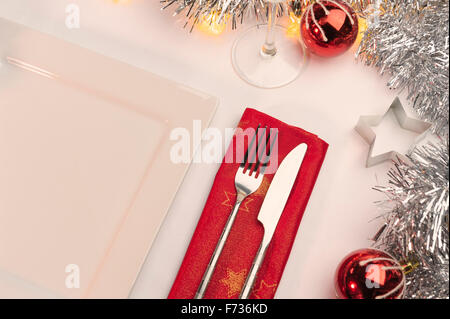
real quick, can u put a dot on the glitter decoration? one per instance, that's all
(408, 40)
(416, 222)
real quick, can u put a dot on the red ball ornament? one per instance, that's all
(329, 28)
(369, 274)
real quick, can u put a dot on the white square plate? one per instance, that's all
(85, 173)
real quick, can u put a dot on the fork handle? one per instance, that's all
(217, 251)
(251, 278)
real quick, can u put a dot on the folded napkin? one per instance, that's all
(246, 234)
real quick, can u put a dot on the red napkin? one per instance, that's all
(245, 236)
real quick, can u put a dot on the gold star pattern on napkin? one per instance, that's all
(227, 201)
(234, 281)
(264, 287)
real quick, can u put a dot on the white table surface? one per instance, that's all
(327, 100)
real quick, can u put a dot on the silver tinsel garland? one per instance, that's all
(408, 39)
(236, 11)
(416, 229)
(232, 11)
(361, 7)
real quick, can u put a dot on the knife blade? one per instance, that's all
(273, 206)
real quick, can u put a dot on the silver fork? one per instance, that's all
(247, 181)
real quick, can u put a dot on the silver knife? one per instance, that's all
(272, 207)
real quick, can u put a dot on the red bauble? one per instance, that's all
(329, 32)
(369, 274)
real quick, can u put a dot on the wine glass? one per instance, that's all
(261, 61)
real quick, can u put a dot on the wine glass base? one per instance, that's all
(267, 71)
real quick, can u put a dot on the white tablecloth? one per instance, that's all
(327, 100)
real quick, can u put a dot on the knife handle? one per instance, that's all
(250, 280)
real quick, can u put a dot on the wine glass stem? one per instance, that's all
(268, 47)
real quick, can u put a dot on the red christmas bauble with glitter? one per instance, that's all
(329, 28)
(369, 274)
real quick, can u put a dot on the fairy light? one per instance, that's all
(362, 27)
(293, 28)
(213, 23)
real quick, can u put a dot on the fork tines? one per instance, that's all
(259, 157)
